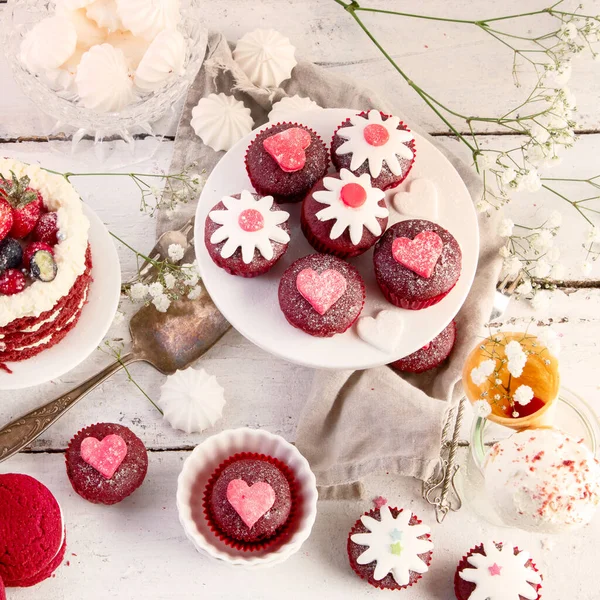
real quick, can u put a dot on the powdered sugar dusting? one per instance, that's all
(419, 255)
(322, 290)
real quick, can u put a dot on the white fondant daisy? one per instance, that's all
(372, 139)
(353, 203)
(394, 544)
(249, 224)
(500, 574)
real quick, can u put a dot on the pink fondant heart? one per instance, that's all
(419, 255)
(250, 502)
(287, 148)
(105, 456)
(321, 290)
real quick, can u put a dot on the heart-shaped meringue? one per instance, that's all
(383, 331)
(421, 200)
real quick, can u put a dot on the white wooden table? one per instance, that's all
(137, 549)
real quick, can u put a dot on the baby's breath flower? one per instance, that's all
(170, 281)
(516, 358)
(155, 289)
(161, 302)
(531, 180)
(480, 374)
(542, 268)
(542, 239)
(195, 292)
(554, 220)
(176, 252)
(541, 300)
(482, 408)
(138, 292)
(524, 288)
(505, 228)
(512, 266)
(523, 395)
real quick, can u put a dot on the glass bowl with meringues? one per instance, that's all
(103, 71)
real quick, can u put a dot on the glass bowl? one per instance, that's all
(70, 119)
(571, 414)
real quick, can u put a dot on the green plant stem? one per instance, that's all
(132, 380)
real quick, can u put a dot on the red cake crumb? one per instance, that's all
(430, 356)
(403, 287)
(89, 483)
(270, 179)
(31, 528)
(340, 315)
(47, 571)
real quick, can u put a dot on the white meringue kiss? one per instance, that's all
(48, 44)
(147, 18)
(132, 47)
(162, 61)
(104, 14)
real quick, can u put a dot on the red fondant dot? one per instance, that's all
(376, 135)
(251, 220)
(353, 195)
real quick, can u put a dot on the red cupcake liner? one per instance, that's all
(426, 558)
(464, 564)
(411, 145)
(293, 199)
(286, 529)
(410, 304)
(223, 264)
(320, 246)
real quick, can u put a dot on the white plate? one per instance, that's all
(252, 306)
(96, 318)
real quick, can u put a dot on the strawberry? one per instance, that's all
(26, 204)
(6, 218)
(12, 282)
(32, 249)
(46, 229)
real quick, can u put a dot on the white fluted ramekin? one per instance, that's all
(201, 464)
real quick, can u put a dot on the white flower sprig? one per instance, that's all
(545, 123)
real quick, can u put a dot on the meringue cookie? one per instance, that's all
(133, 47)
(287, 108)
(220, 121)
(104, 14)
(48, 44)
(63, 78)
(88, 32)
(192, 400)
(266, 56)
(147, 18)
(163, 60)
(103, 81)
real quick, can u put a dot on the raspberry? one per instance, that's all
(32, 249)
(12, 282)
(46, 229)
(6, 218)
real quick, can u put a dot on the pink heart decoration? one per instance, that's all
(287, 148)
(250, 502)
(105, 456)
(321, 290)
(419, 255)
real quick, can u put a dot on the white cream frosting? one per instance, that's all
(266, 57)
(69, 254)
(287, 108)
(48, 44)
(147, 18)
(394, 545)
(104, 14)
(162, 61)
(375, 156)
(103, 81)
(501, 574)
(220, 121)
(542, 480)
(192, 400)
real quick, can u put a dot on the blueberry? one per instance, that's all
(11, 254)
(42, 266)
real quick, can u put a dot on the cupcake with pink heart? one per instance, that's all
(106, 463)
(417, 263)
(321, 294)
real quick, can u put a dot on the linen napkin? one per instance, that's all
(354, 423)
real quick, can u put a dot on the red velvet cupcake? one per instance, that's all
(374, 143)
(344, 215)
(285, 161)
(246, 235)
(321, 295)
(494, 570)
(417, 263)
(106, 463)
(2, 590)
(431, 355)
(249, 501)
(390, 548)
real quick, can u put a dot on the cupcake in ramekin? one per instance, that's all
(431, 355)
(374, 143)
(321, 294)
(344, 215)
(390, 548)
(285, 161)
(417, 263)
(247, 497)
(246, 234)
(497, 570)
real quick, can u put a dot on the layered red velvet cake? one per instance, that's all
(45, 260)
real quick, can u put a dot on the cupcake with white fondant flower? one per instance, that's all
(344, 214)
(374, 143)
(246, 234)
